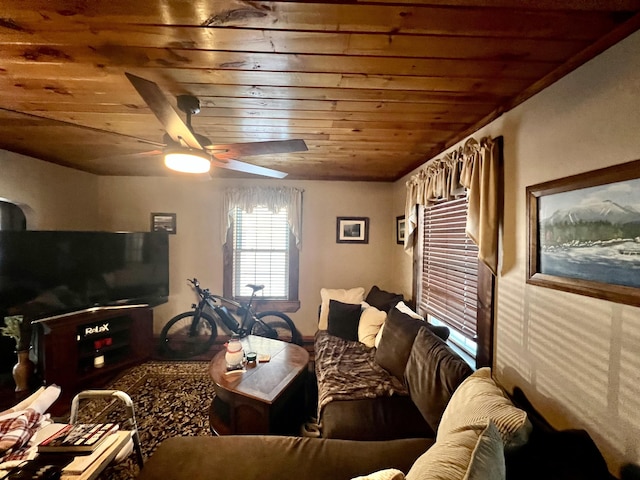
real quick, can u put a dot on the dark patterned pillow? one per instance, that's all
(344, 319)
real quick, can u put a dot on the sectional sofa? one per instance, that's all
(432, 418)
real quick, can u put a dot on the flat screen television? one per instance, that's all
(48, 273)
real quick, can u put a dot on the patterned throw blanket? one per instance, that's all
(15, 432)
(347, 371)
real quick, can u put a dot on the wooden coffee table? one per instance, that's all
(267, 397)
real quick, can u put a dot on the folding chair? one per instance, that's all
(119, 395)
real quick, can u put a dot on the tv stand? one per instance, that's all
(84, 349)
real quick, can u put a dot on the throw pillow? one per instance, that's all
(353, 295)
(479, 399)
(474, 454)
(376, 343)
(553, 454)
(371, 321)
(383, 300)
(395, 344)
(387, 474)
(343, 320)
(433, 373)
(441, 331)
(406, 309)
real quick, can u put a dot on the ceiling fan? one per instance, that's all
(187, 151)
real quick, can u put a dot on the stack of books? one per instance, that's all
(82, 438)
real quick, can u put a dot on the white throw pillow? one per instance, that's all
(353, 295)
(379, 336)
(477, 400)
(404, 308)
(473, 454)
(371, 321)
(387, 474)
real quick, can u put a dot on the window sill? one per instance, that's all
(287, 306)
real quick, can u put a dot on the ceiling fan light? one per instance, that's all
(187, 160)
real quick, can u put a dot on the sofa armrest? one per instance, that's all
(277, 458)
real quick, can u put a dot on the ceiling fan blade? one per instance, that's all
(160, 106)
(44, 121)
(237, 165)
(236, 150)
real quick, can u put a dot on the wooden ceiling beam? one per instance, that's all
(296, 42)
(94, 77)
(485, 18)
(71, 94)
(162, 58)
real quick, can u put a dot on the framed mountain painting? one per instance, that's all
(584, 233)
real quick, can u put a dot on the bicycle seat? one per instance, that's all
(255, 288)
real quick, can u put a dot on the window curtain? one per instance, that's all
(474, 167)
(274, 198)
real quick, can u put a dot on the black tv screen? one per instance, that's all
(47, 273)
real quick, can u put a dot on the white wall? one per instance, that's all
(582, 352)
(196, 249)
(52, 197)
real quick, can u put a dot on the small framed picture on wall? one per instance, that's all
(352, 230)
(400, 229)
(163, 222)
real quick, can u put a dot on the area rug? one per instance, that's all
(170, 399)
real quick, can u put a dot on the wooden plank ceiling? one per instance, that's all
(374, 88)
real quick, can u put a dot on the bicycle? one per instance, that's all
(192, 333)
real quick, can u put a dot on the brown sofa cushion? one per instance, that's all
(277, 458)
(382, 418)
(395, 345)
(433, 372)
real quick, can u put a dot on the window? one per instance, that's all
(448, 289)
(261, 249)
(454, 282)
(261, 252)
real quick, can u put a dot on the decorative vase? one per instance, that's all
(23, 370)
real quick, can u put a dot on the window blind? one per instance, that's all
(449, 282)
(261, 252)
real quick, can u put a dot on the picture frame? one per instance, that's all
(584, 234)
(401, 224)
(352, 230)
(164, 222)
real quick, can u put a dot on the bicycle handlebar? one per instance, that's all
(205, 294)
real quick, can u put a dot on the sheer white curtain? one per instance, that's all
(274, 198)
(474, 167)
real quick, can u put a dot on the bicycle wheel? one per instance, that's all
(276, 325)
(180, 338)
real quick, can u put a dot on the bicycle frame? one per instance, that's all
(248, 317)
(244, 311)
